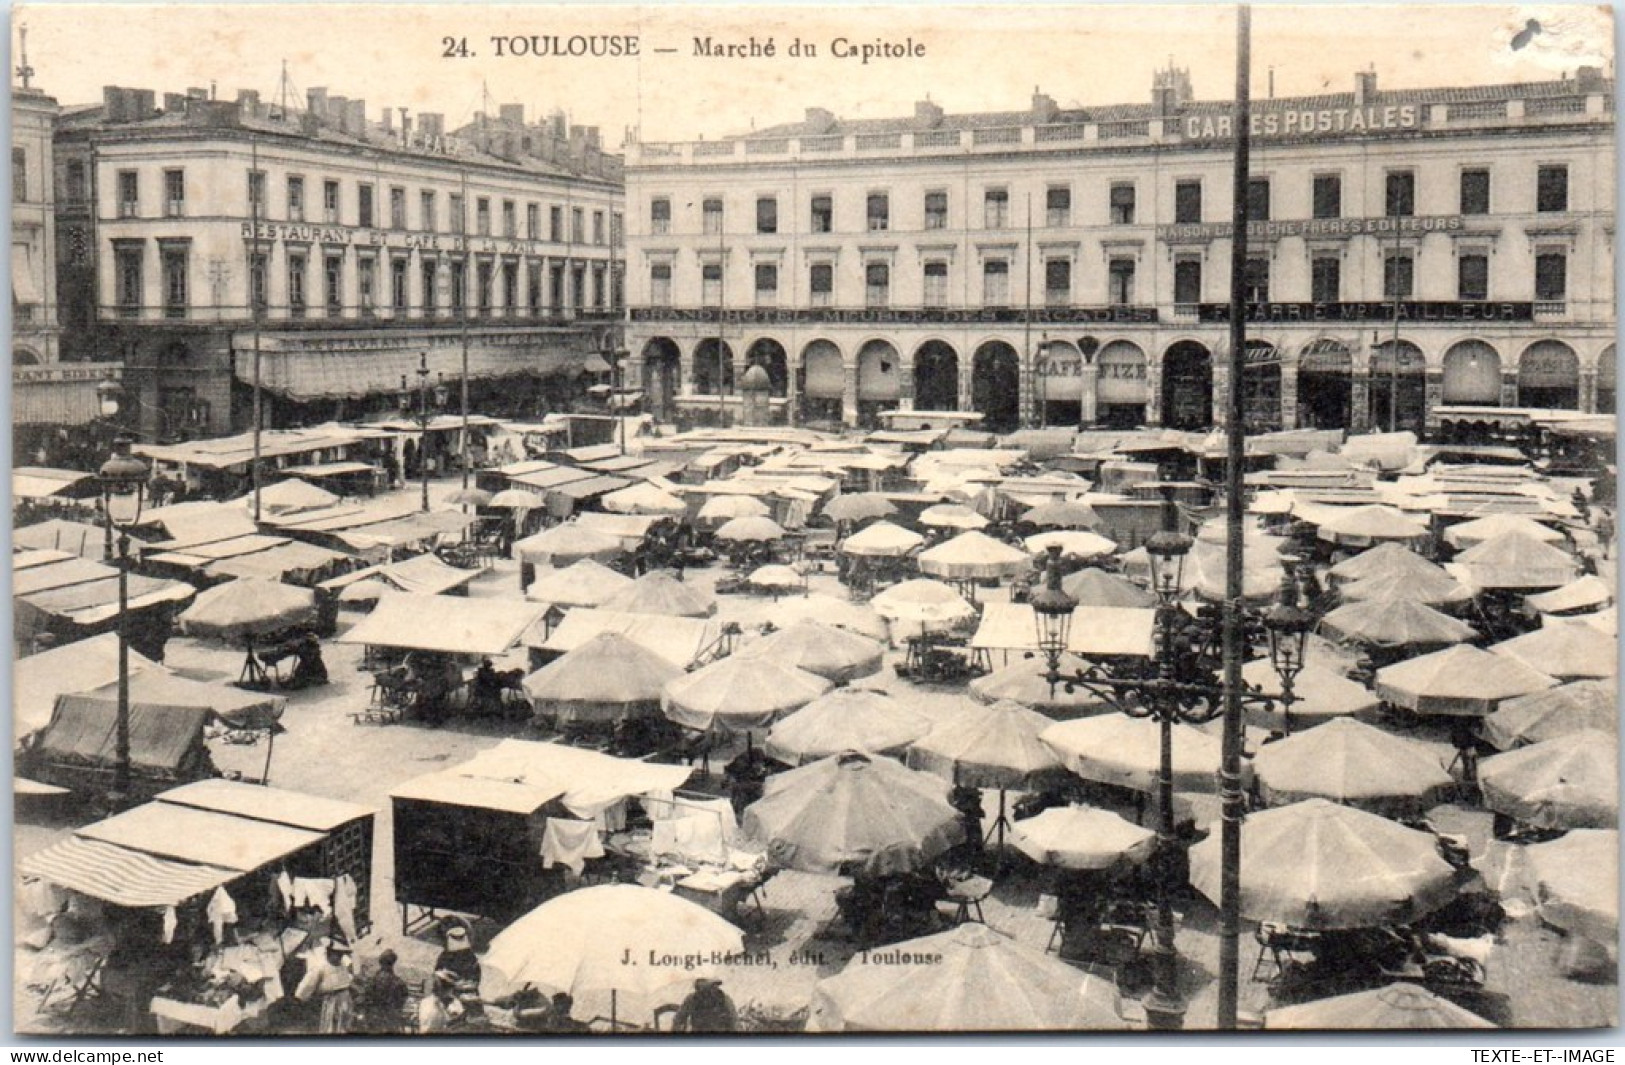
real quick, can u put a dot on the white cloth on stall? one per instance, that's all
(570, 843)
(284, 887)
(171, 921)
(344, 900)
(695, 838)
(222, 910)
(314, 891)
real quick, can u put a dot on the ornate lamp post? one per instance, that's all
(1177, 688)
(421, 411)
(109, 401)
(616, 357)
(124, 484)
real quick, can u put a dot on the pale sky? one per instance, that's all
(975, 58)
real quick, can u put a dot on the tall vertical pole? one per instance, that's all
(255, 195)
(463, 390)
(1393, 382)
(121, 738)
(1027, 321)
(1235, 438)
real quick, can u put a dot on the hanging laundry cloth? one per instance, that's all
(222, 910)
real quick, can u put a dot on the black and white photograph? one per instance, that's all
(574, 521)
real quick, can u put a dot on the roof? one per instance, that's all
(122, 877)
(450, 788)
(36, 482)
(223, 452)
(291, 557)
(204, 837)
(200, 521)
(590, 487)
(74, 537)
(678, 640)
(38, 679)
(422, 574)
(58, 574)
(96, 601)
(161, 689)
(260, 803)
(445, 623)
(161, 737)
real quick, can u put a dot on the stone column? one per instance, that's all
(1360, 401)
(967, 374)
(1432, 398)
(1221, 390)
(1289, 393)
(1509, 389)
(1026, 389)
(685, 371)
(1088, 406)
(849, 394)
(1153, 390)
(1588, 391)
(905, 384)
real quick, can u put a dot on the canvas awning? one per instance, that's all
(450, 788)
(309, 375)
(257, 802)
(587, 780)
(590, 488)
(73, 537)
(200, 555)
(59, 574)
(38, 482)
(161, 737)
(37, 680)
(444, 623)
(549, 477)
(412, 529)
(678, 640)
(422, 575)
(278, 562)
(239, 707)
(630, 529)
(120, 876)
(1096, 631)
(202, 837)
(94, 602)
(329, 469)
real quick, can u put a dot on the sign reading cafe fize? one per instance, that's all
(1316, 122)
(896, 315)
(1374, 311)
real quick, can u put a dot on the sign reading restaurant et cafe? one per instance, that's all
(299, 233)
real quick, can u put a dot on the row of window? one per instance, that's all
(1326, 195)
(1326, 281)
(448, 291)
(367, 211)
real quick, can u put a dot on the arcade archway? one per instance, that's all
(769, 355)
(1261, 387)
(713, 368)
(1122, 388)
(936, 377)
(996, 386)
(1549, 376)
(1472, 375)
(1187, 386)
(823, 382)
(1398, 392)
(1325, 384)
(1607, 375)
(880, 380)
(662, 376)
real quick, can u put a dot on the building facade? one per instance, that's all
(332, 252)
(1407, 250)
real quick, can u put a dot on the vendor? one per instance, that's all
(329, 982)
(440, 1008)
(459, 958)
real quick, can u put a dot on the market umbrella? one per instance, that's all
(1567, 650)
(1318, 865)
(847, 719)
(578, 943)
(777, 578)
(1272, 503)
(1394, 623)
(974, 556)
(608, 679)
(1074, 543)
(567, 543)
(517, 499)
(644, 498)
(1516, 561)
(859, 506)
(1096, 587)
(753, 530)
(726, 508)
(473, 497)
(1478, 530)
(881, 540)
(367, 591)
(1367, 525)
(854, 813)
(1066, 515)
(739, 693)
(1351, 762)
(1568, 782)
(1429, 589)
(1587, 593)
(952, 516)
(1545, 715)
(1127, 751)
(927, 602)
(969, 978)
(1382, 560)
(585, 583)
(834, 654)
(841, 613)
(1322, 695)
(661, 593)
(247, 607)
(1023, 681)
(1256, 541)
(1083, 837)
(292, 494)
(1392, 1008)
(1576, 882)
(1458, 681)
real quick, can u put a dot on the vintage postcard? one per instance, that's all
(593, 519)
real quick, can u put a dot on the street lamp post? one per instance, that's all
(422, 414)
(1178, 688)
(616, 357)
(123, 484)
(109, 401)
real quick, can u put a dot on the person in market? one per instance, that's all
(706, 1009)
(383, 1003)
(559, 1018)
(440, 1009)
(459, 959)
(329, 982)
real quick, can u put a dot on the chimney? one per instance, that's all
(431, 124)
(1365, 87)
(387, 120)
(174, 103)
(316, 103)
(358, 117)
(310, 123)
(513, 114)
(1170, 90)
(1043, 107)
(819, 120)
(1590, 80)
(338, 113)
(143, 102)
(249, 101)
(590, 134)
(927, 115)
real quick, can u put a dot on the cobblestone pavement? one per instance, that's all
(323, 752)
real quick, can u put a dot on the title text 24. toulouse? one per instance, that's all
(612, 45)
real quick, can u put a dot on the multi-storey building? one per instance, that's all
(208, 236)
(1407, 250)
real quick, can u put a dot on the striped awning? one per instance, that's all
(66, 403)
(121, 876)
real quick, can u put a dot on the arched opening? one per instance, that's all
(662, 376)
(996, 386)
(24, 357)
(1122, 389)
(1607, 374)
(1261, 386)
(713, 368)
(880, 381)
(823, 380)
(1060, 383)
(1187, 386)
(1549, 376)
(1472, 375)
(936, 377)
(1325, 384)
(1398, 387)
(769, 355)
